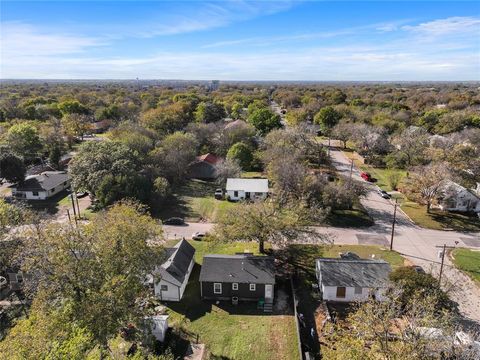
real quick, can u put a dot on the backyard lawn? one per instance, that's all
(232, 332)
(468, 261)
(193, 201)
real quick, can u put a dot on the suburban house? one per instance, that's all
(41, 186)
(170, 279)
(242, 277)
(204, 167)
(246, 189)
(455, 197)
(352, 278)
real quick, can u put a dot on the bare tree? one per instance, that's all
(425, 182)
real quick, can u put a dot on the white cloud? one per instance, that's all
(22, 40)
(453, 25)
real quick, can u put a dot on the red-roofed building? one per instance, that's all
(204, 167)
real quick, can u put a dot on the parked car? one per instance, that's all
(418, 269)
(174, 221)
(384, 194)
(82, 194)
(198, 236)
(219, 194)
(366, 176)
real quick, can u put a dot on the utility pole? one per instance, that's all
(444, 250)
(73, 206)
(78, 206)
(351, 170)
(393, 224)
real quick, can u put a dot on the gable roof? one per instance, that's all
(209, 158)
(353, 272)
(247, 185)
(234, 123)
(45, 181)
(238, 268)
(175, 268)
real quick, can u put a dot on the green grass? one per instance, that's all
(232, 332)
(252, 174)
(468, 261)
(349, 218)
(193, 200)
(439, 220)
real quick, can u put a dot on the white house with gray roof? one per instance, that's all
(171, 278)
(246, 189)
(352, 279)
(41, 186)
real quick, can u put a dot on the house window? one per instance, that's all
(234, 286)
(341, 290)
(358, 290)
(235, 193)
(164, 287)
(35, 193)
(252, 287)
(217, 288)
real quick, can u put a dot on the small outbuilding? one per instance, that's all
(204, 167)
(238, 277)
(170, 279)
(352, 279)
(246, 189)
(158, 326)
(41, 186)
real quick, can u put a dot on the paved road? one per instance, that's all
(418, 244)
(185, 231)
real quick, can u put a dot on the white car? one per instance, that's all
(198, 236)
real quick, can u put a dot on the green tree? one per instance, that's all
(208, 112)
(175, 153)
(76, 125)
(327, 118)
(167, 119)
(72, 107)
(241, 152)
(12, 167)
(97, 159)
(24, 140)
(94, 273)
(115, 188)
(267, 221)
(265, 120)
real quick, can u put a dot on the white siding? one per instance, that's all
(174, 292)
(241, 195)
(40, 195)
(185, 282)
(329, 293)
(168, 295)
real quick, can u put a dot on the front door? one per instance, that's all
(247, 195)
(268, 291)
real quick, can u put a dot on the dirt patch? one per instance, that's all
(281, 302)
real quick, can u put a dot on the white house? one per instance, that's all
(41, 186)
(454, 197)
(245, 189)
(170, 279)
(352, 279)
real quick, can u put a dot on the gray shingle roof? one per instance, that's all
(42, 182)
(350, 273)
(238, 268)
(175, 268)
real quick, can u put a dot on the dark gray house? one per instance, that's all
(238, 277)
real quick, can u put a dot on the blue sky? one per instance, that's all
(241, 40)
